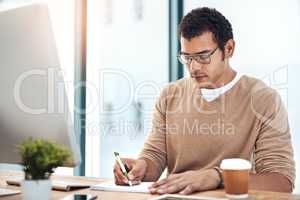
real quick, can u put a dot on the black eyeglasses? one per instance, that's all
(201, 58)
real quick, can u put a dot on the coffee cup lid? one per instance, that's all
(235, 164)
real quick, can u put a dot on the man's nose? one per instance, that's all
(194, 65)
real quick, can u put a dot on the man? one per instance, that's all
(215, 114)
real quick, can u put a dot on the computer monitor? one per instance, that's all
(33, 99)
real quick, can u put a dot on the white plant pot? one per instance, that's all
(36, 189)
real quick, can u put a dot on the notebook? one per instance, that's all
(111, 186)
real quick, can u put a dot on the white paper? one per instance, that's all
(111, 186)
(186, 197)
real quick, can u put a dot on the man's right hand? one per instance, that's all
(137, 171)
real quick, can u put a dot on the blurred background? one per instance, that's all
(131, 55)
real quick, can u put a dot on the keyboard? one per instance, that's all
(57, 185)
(6, 192)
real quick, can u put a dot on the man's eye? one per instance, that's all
(188, 58)
(203, 57)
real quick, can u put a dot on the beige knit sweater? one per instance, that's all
(249, 121)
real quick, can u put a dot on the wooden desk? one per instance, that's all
(102, 195)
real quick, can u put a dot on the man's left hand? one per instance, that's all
(187, 182)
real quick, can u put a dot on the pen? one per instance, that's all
(123, 168)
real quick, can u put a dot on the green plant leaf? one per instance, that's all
(40, 157)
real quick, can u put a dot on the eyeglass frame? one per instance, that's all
(197, 54)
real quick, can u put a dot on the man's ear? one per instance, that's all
(229, 48)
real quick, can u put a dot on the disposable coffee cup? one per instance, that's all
(235, 172)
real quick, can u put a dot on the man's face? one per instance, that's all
(208, 74)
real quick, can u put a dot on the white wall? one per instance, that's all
(267, 47)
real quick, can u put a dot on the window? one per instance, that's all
(127, 67)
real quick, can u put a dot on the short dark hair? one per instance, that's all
(204, 19)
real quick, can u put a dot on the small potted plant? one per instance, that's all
(39, 158)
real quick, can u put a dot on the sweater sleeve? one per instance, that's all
(273, 147)
(154, 150)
